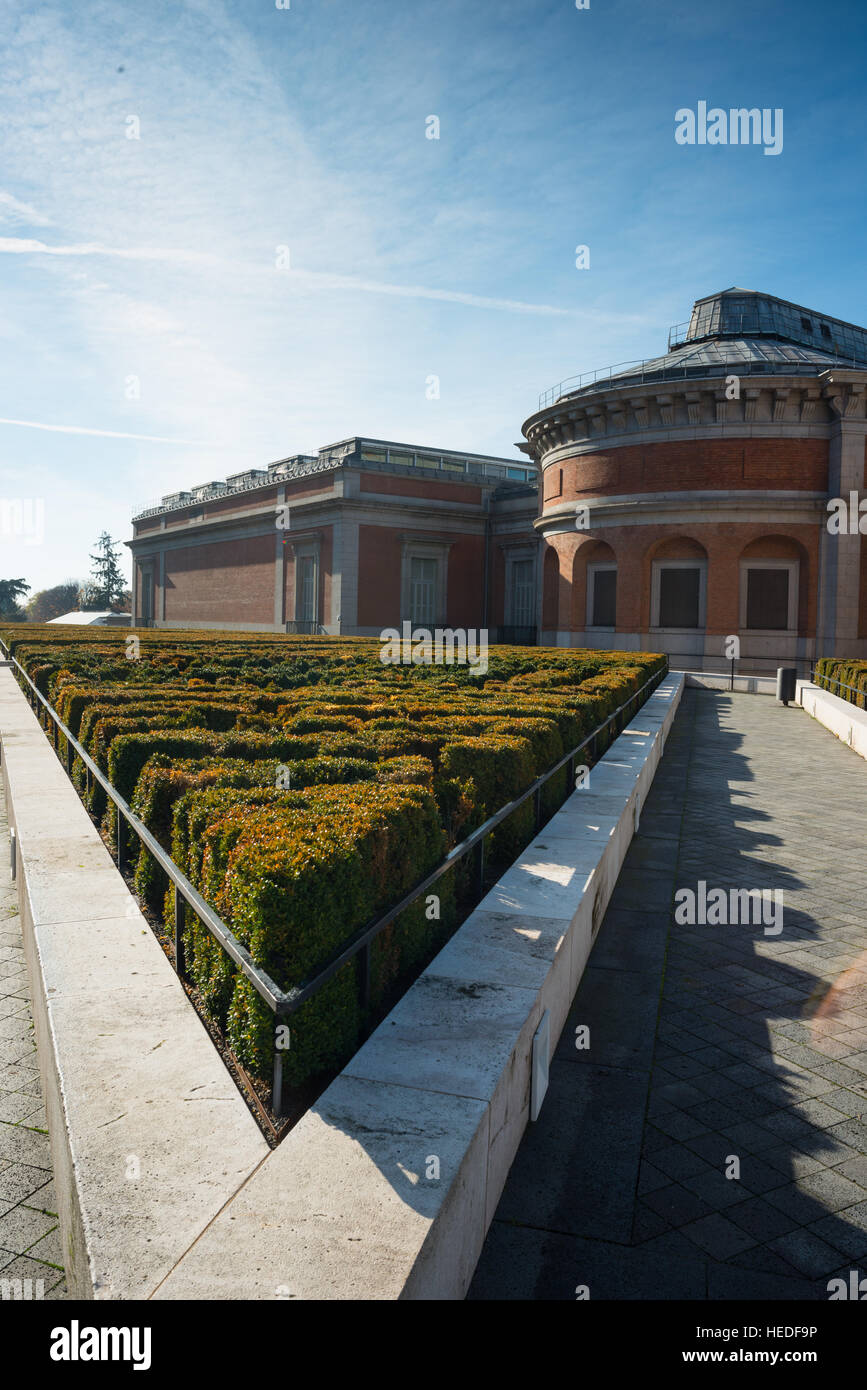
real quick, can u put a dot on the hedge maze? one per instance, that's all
(304, 787)
(847, 679)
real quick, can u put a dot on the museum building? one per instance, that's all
(667, 505)
(357, 538)
(690, 498)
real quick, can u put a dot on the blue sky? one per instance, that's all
(155, 258)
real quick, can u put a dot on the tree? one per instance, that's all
(107, 585)
(53, 603)
(11, 590)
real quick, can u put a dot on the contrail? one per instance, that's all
(106, 434)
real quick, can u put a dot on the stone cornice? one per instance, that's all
(700, 508)
(708, 408)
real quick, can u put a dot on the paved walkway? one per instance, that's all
(709, 1043)
(29, 1233)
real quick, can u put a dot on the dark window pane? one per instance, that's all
(604, 598)
(768, 599)
(678, 597)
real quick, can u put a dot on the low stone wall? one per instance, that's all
(386, 1188)
(745, 685)
(843, 719)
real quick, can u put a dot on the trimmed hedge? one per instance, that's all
(849, 673)
(296, 880)
(302, 786)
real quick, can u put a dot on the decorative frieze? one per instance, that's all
(781, 403)
(638, 406)
(665, 406)
(605, 413)
(752, 396)
(693, 407)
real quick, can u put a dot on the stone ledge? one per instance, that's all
(133, 1084)
(386, 1188)
(744, 685)
(840, 716)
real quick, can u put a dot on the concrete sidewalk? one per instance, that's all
(711, 1043)
(29, 1233)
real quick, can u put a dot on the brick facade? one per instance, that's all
(718, 460)
(232, 561)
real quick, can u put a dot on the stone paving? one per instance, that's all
(709, 1043)
(29, 1234)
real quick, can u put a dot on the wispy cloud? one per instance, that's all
(313, 279)
(12, 209)
(106, 434)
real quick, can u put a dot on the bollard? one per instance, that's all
(786, 682)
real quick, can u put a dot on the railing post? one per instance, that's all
(537, 808)
(120, 833)
(180, 913)
(70, 758)
(480, 869)
(277, 1082)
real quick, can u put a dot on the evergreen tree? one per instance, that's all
(107, 584)
(11, 590)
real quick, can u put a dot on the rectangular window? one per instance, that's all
(768, 599)
(523, 593)
(305, 603)
(423, 590)
(603, 611)
(679, 591)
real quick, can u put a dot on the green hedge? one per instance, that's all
(293, 882)
(852, 674)
(388, 767)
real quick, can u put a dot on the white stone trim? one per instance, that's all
(845, 720)
(690, 509)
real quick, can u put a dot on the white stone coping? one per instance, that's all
(149, 1135)
(744, 685)
(387, 1186)
(844, 719)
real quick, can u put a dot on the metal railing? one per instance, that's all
(860, 693)
(813, 674)
(647, 369)
(284, 1003)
